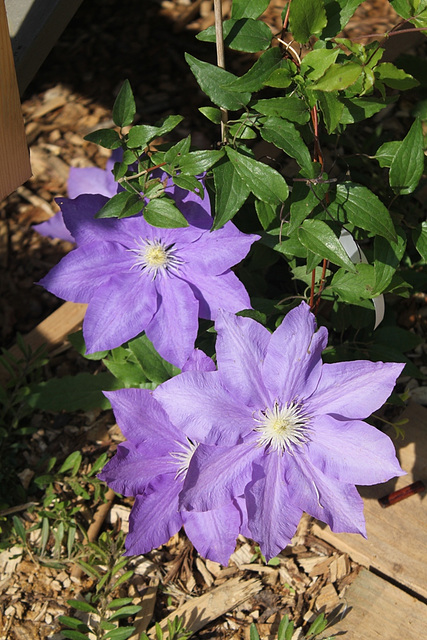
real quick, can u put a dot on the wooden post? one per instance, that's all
(14, 157)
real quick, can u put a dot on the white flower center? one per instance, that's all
(283, 427)
(183, 457)
(155, 257)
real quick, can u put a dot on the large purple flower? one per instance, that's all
(82, 180)
(137, 277)
(151, 465)
(281, 428)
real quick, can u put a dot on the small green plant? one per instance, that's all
(101, 612)
(286, 629)
(176, 631)
(21, 371)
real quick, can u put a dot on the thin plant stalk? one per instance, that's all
(220, 59)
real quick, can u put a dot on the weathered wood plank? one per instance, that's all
(397, 535)
(14, 157)
(376, 610)
(53, 330)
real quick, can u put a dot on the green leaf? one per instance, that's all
(357, 109)
(253, 633)
(394, 77)
(124, 106)
(73, 461)
(141, 135)
(365, 210)
(77, 340)
(267, 214)
(107, 138)
(231, 191)
(264, 181)
(419, 237)
(316, 62)
(128, 373)
(266, 64)
(71, 393)
(211, 113)
(338, 13)
(283, 134)
(319, 238)
(338, 77)
(289, 107)
(318, 625)
(213, 81)
(121, 205)
(189, 183)
(124, 612)
(119, 602)
(248, 8)
(73, 623)
(245, 34)
(164, 213)
(304, 199)
(386, 152)
(387, 257)
(280, 79)
(331, 108)
(354, 287)
(74, 635)
(286, 629)
(155, 368)
(408, 164)
(406, 340)
(196, 162)
(119, 634)
(177, 150)
(19, 528)
(306, 18)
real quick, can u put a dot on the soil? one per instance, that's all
(71, 96)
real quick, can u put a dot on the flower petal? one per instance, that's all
(82, 271)
(272, 518)
(217, 475)
(241, 348)
(352, 452)
(173, 329)
(214, 533)
(199, 361)
(142, 419)
(54, 228)
(224, 291)
(293, 363)
(118, 311)
(129, 472)
(154, 518)
(84, 180)
(354, 389)
(329, 500)
(197, 403)
(219, 250)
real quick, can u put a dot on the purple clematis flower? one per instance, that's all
(136, 277)
(82, 180)
(281, 428)
(151, 465)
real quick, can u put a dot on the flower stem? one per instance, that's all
(219, 38)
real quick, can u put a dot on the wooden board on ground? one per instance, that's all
(14, 157)
(377, 610)
(52, 331)
(397, 536)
